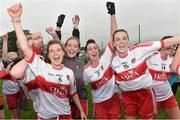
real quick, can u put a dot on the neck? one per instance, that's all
(94, 63)
(123, 55)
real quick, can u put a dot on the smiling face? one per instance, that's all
(55, 54)
(92, 52)
(121, 42)
(168, 51)
(72, 47)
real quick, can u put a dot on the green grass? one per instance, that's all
(30, 114)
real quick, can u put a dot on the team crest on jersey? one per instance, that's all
(133, 60)
(77, 67)
(68, 77)
(102, 67)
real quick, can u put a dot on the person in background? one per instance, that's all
(75, 63)
(175, 80)
(11, 88)
(159, 68)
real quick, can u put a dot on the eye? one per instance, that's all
(69, 45)
(75, 46)
(124, 38)
(95, 47)
(89, 49)
(51, 51)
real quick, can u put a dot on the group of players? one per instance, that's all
(135, 78)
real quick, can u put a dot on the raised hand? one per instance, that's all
(60, 20)
(15, 11)
(110, 7)
(37, 39)
(50, 30)
(76, 20)
(83, 116)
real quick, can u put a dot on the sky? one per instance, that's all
(144, 20)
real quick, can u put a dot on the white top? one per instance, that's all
(101, 77)
(10, 86)
(161, 72)
(131, 70)
(55, 87)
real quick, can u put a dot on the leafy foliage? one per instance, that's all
(12, 47)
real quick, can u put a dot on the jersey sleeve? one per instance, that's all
(36, 64)
(149, 47)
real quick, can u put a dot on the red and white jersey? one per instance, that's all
(55, 87)
(101, 77)
(131, 71)
(10, 86)
(33, 90)
(159, 68)
(163, 91)
(160, 71)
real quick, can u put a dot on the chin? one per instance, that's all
(71, 56)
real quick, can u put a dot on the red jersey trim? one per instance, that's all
(106, 77)
(94, 65)
(3, 73)
(57, 89)
(160, 75)
(123, 56)
(133, 73)
(31, 59)
(58, 68)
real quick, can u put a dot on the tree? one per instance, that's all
(12, 47)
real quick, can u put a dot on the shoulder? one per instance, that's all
(86, 66)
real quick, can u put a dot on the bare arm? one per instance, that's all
(5, 71)
(171, 41)
(176, 60)
(19, 69)
(15, 12)
(78, 104)
(114, 26)
(5, 46)
(111, 11)
(53, 33)
(75, 21)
